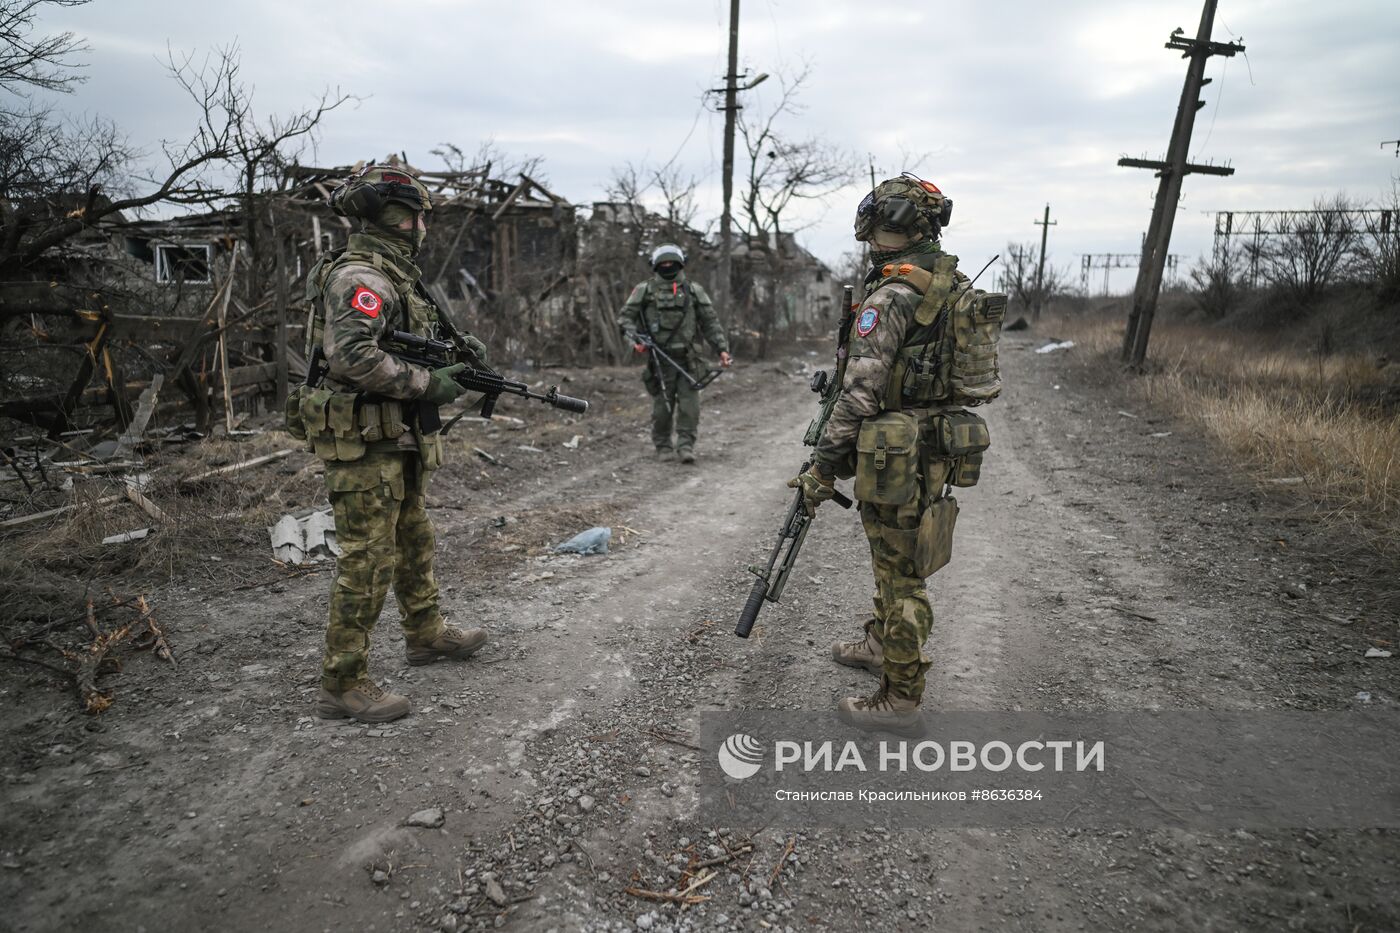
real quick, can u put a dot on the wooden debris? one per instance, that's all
(126, 537)
(670, 737)
(782, 860)
(50, 513)
(730, 856)
(133, 492)
(223, 339)
(145, 407)
(28, 486)
(153, 639)
(665, 897)
(86, 664)
(236, 467)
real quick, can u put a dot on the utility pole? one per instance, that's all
(731, 113)
(1171, 172)
(1045, 226)
(1394, 144)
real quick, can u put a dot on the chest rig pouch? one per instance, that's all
(670, 317)
(959, 436)
(887, 459)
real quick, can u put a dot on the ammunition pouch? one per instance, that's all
(960, 437)
(933, 547)
(887, 459)
(340, 426)
(977, 318)
(430, 450)
(293, 421)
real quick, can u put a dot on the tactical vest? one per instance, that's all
(668, 312)
(923, 437)
(337, 421)
(949, 353)
(421, 317)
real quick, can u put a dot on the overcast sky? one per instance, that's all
(1010, 104)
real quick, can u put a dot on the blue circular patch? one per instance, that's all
(867, 321)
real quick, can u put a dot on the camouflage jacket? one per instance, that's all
(883, 323)
(676, 313)
(360, 296)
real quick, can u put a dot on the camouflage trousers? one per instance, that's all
(683, 410)
(903, 615)
(385, 537)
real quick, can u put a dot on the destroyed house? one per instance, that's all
(215, 300)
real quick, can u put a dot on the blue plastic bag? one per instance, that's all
(592, 541)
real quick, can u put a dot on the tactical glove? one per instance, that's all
(442, 388)
(476, 346)
(816, 489)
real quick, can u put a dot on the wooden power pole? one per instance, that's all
(1171, 172)
(1045, 226)
(731, 112)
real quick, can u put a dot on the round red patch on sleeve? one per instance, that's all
(366, 301)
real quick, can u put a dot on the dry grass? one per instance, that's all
(1287, 417)
(225, 517)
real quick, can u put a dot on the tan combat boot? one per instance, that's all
(364, 701)
(866, 652)
(686, 455)
(665, 454)
(452, 644)
(882, 712)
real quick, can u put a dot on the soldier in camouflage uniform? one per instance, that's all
(901, 220)
(675, 312)
(360, 421)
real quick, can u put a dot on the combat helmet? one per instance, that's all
(907, 205)
(366, 194)
(667, 252)
(667, 260)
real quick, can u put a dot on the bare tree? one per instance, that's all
(782, 172)
(35, 62)
(1018, 273)
(255, 151)
(1306, 261)
(1378, 252)
(490, 158)
(1019, 277)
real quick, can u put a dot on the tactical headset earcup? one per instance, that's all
(899, 213)
(358, 200)
(945, 216)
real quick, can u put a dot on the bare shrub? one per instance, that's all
(1306, 260)
(1378, 251)
(1218, 290)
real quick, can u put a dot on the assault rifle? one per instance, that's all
(658, 356)
(793, 531)
(477, 377)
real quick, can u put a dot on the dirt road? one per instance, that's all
(1106, 561)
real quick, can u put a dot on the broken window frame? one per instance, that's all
(166, 271)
